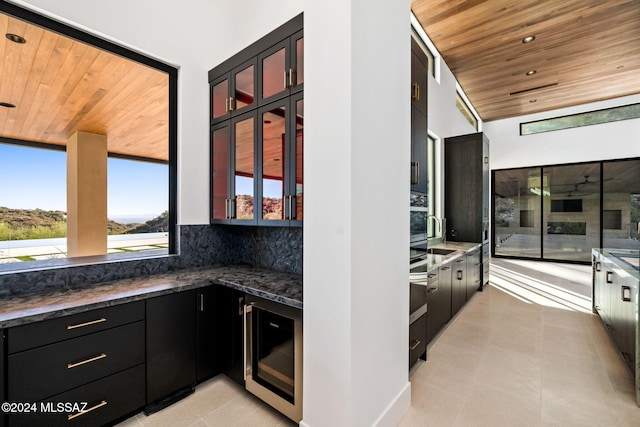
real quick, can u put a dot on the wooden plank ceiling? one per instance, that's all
(60, 86)
(584, 51)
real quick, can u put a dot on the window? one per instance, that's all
(464, 108)
(583, 119)
(128, 101)
(427, 46)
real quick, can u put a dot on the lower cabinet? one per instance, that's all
(171, 348)
(207, 340)
(84, 358)
(485, 266)
(231, 323)
(458, 284)
(438, 301)
(103, 401)
(417, 340)
(474, 273)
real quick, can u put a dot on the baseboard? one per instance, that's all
(397, 409)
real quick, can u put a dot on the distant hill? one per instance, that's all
(26, 224)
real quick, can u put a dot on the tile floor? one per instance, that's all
(525, 352)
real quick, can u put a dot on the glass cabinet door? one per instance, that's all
(244, 93)
(220, 99)
(297, 49)
(273, 139)
(297, 172)
(244, 171)
(274, 71)
(220, 173)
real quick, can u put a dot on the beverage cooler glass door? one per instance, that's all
(274, 355)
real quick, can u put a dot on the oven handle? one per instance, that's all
(246, 337)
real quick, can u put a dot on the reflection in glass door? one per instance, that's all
(571, 212)
(517, 212)
(273, 163)
(621, 205)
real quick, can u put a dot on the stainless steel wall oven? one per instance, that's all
(273, 354)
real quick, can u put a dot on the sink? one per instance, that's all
(440, 251)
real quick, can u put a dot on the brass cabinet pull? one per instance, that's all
(84, 362)
(413, 347)
(226, 208)
(415, 179)
(284, 80)
(226, 105)
(626, 293)
(231, 108)
(416, 91)
(291, 77)
(93, 408)
(81, 325)
(241, 306)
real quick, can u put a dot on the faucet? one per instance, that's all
(442, 231)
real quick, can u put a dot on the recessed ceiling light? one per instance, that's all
(530, 72)
(16, 38)
(533, 100)
(528, 39)
(6, 104)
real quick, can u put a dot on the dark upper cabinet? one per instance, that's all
(419, 130)
(257, 113)
(233, 170)
(207, 334)
(171, 347)
(419, 73)
(281, 69)
(467, 188)
(234, 92)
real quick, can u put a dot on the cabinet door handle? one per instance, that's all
(626, 293)
(226, 105)
(284, 79)
(416, 91)
(231, 104)
(291, 207)
(414, 346)
(93, 408)
(609, 273)
(598, 266)
(82, 325)
(446, 268)
(415, 168)
(241, 306)
(84, 362)
(201, 301)
(291, 77)
(431, 275)
(459, 274)
(432, 290)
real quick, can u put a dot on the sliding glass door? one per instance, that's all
(517, 212)
(571, 215)
(561, 212)
(621, 206)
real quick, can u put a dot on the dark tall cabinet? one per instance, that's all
(231, 323)
(467, 188)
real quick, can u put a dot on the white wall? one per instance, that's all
(615, 140)
(444, 118)
(194, 35)
(357, 133)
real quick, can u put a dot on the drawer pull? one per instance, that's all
(93, 408)
(93, 359)
(81, 325)
(413, 347)
(608, 277)
(626, 293)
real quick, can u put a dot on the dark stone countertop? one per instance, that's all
(284, 288)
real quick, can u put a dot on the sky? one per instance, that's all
(33, 178)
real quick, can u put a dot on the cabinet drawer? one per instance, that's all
(45, 371)
(417, 297)
(112, 398)
(46, 332)
(417, 339)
